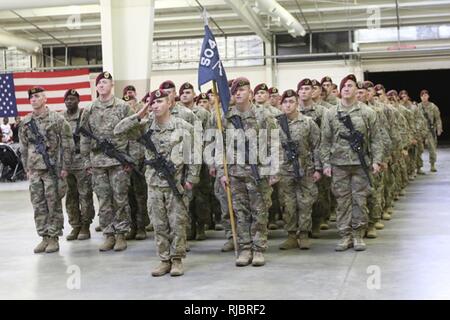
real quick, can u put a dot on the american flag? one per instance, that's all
(14, 89)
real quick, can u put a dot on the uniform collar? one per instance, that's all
(168, 126)
(354, 107)
(251, 113)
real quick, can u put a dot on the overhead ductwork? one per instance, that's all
(30, 4)
(10, 41)
(280, 15)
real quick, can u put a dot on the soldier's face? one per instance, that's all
(131, 94)
(335, 92)
(349, 90)
(104, 86)
(305, 93)
(150, 108)
(160, 106)
(71, 102)
(327, 87)
(38, 100)
(316, 91)
(361, 95)
(261, 96)
(243, 95)
(172, 94)
(289, 105)
(370, 93)
(404, 97)
(187, 97)
(425, 97)
(275, 100)
(204, 104)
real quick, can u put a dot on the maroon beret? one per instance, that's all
(168, 84)
(345, 79)
(237, 83)
(287, 94)
(273, 90)
(368, 84)
(392, 93)
(261, 86)
(315, 83)
(34, 90)
(304, 82)
(185, 86)
(128, 88)
(201, 96)
(71, 92)
(103, 75)
(144, 99)
(157, 94)
(360, 85)
(230, 82)
(423, 92)
(326, 79)
(379, 87)
(402, 92)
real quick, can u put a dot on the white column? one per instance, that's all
(270, 74)
(127, 36)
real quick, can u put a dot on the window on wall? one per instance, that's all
(322, 42)
(411, 33)
(14, 60)
(76, 56)
(184, 54)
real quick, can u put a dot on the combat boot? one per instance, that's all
(303, 241)
(162, 269)
(85, 233)
(130, 235)
(219, 227)
(433, 168)
(420, 171)
(53, 245)
(290, 243)
(371, 232)
(149, 228)
(379, 225)
(109, 243)
(315, 232)
(141, 234)
(187, 247)
(280, 224)
(228, 246)
(333, 217)
(244, 258)
(73, 235)
(345, 243)
(324, 226)
(177, 268)
(358, 243)
(258, 259)
(200, 233)
(273, 226)
(42, 245)
(402, 193)
(98, 229)
(121, 243)
(386, 216)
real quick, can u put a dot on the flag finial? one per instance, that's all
(205, 16)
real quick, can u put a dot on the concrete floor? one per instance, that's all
(411, 257)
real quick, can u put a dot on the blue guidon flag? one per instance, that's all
(211, 68)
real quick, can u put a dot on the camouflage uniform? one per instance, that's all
(46, 192)
(349, 182)
(433, 117)
(169, 212)
(321, 208)
(250, 200)
(333, 100)
(79, 201)
(111, 181)
(299, 196)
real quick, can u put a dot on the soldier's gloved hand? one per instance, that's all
(384, 166)
(188, 186)
(376, 168)
(439, 132)
(224, 182)
(127, 168)
(316, 176)
(414, 141)
(212, 172)
(327, 172)
(405, 152)
(143, 112)
(273, 180)
(64, 174)
(89, 171)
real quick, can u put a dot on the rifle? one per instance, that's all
(356, 141)
(430, 125)
(76, 134)
(290, 147)
(165, 168)
(237, 123)
(41, 148)
(111, 151)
